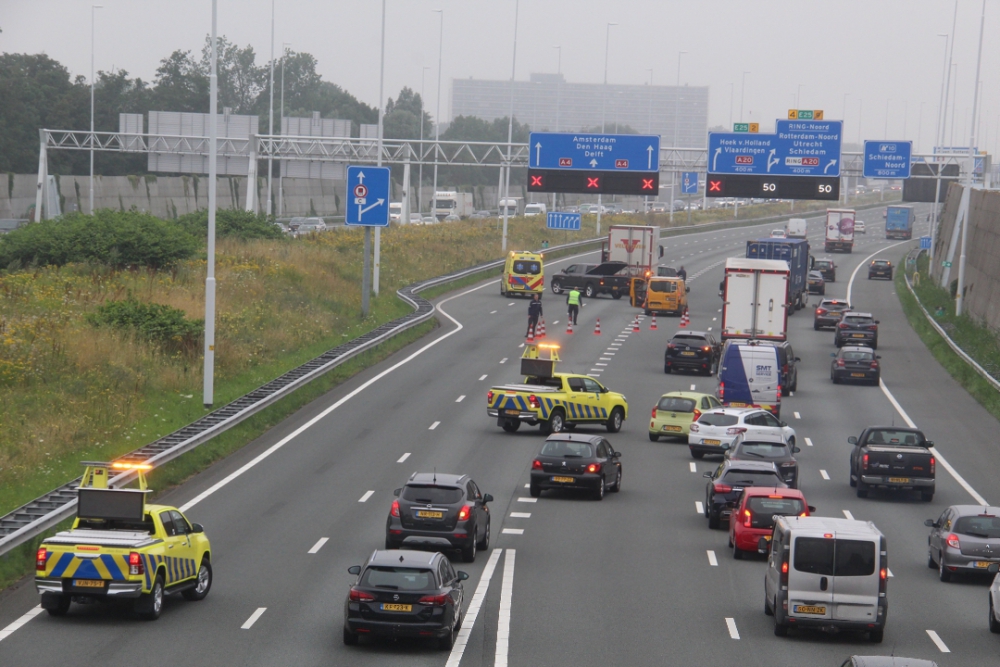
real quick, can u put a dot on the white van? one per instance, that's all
(533, 209)
(796, 228)
(826, 573)
(750, 376)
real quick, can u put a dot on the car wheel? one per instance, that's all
(149, 605)
(822, 292)
(780, 629)
(833, 378)
(204, 583)
(350, 639)
(815, 327)
(616, 295)
(876, 635)
(534, 490)
(615, 421)
(713, 520)
(647, 312)
(862, 489)
(557, 287)
(56, 604)
(853, 481)
(511, 425)
(943, 573)
(469, 552)
(445, 643)
(994, 624)
(389, 544)
(588, 291)
(737, 553)
(555, 423)
(927, 496)
(599, 493)
(931, 565)
(767, 609)
(618, 482)
(666, 368)
(484, 543)
(697, 454)
(653, 437)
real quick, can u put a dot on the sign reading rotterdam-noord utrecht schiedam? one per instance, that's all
(797, 148)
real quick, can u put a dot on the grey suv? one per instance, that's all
(856, 328)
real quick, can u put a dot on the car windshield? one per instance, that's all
(978, 526)
(567, 449)
(527, 267)
(834, 557)
(881, 262)
(770, 506)
(716, 419)
(886, 436)
(664, 286)
(767, 450)
(431, 495)
(676, 404)
(398, 578)
(751, 478)
(857, 355)
(816, 275)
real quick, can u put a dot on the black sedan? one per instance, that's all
(815, 283)
(827, 268)
(828, 312)
(728, 481)
(692, 350)
(778, 452)
(855, 364)
(402, 593)
(576, 461)
(880, 268)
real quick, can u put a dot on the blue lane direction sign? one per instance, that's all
(367, 196)
(560, 220)
(797, 148)
(925, 243)
(689, 182)
(585, 151)
(887, 159)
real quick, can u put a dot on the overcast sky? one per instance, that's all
(870, 50)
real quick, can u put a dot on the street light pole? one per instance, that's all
(213, 149)
(947, 88)
(381, 115)
(885, 130)
(604, 101)
(420, 169)
(798, 91)
(93, 12)
(743, 89)
(677, 100)
(860, 102)
(437, 114)
(281, 177)
(941, 102)
(270, 118)
(510, 131)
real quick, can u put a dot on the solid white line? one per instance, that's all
(797, 415)
(520, 515)
(848, 514)
(253, 618)
(462, 640)
(433, 426)
(482, 378)
(364, 498)
(513, 531)
(527, 500)
(712, 560)
(693, 467)
(733, 632)
(503, 618)
(504, 360)
(699, 507)
(692, 387)
(403, 457)
(319, 545)
(937, 642)
(460, 398)
(809, 442)
(824, 474)
(15, 625)
(864, 262)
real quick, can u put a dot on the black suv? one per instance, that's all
(880, 268)
(692, 350)
(441, 512)
(789, 370)
(827, 268)
(828, 313)
(856, 328)
(401, 593)
(728, 481)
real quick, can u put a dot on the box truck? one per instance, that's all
(899, 222)
(636, 245)
(795, 252)
(839, 230)
(796, 228)
(450, 202)
(755, 299)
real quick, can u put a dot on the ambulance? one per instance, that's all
(523, 273)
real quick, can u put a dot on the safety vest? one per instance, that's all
(574, 298)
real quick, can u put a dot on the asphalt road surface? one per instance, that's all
(636, 579)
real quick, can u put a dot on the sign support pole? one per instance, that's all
(208, 389)
(365, 272)
(381, 107)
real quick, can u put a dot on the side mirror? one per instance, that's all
(876, 321)
(783, 423)
(928, 443)
(833, 354)
(461, 576)
(795, 450)
(878, 356)
(487, 498)
(617, 455)
(763, 545)
(853, 440)
(931, 523)
(354, 569)
(725, 446)
(197, 528)
(811, 508)
(707, 475)
(661, 251)
(397, 492)
(798, 359)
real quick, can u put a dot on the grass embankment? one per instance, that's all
(975, 339)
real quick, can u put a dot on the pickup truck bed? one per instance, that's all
(893, 465)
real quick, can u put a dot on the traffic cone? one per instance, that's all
(635, 324)
(652, 326)
(685, 319)
(597, 328)
(569, 326)
(531, 335)
(541, 331)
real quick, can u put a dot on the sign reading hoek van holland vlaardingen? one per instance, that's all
(797, 148)
(585, 151)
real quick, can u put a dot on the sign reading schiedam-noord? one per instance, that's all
(584, 151)
(887, 159)
(797, 148)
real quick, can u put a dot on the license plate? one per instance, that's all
(385, 606)
(563, 480)
(899, 480)
(88, 583)
(711, 442)
(426, 514)
(512, 413)
(809, 609)
(982, 564)
(687, 354)
(676, 429)
(857, 375)
(857, 335)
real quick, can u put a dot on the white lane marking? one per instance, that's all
(607, 358)
(710, 328)
(364, 498)
(513, 531)
(492, 312)
(312, 422)
(797, 415)
(319, 544)
(556, 322)
(809, 442)
(692, 387)
(527, 486)
(693, 467)
(511, 303)
(594, 375)
(937, 454)
(598, 363)
(482, 378)
(888, 572)
(403, 457)
(848, 514)
(733, 632)
(699, 507)
(503, 618)
(253, 618)
(824, 474)
(15, 625)
(521, 345)
(864, 262)
(462, 640)
(712, 560)
(937, 642)
(520, 515)
(460, 398)
(504, 360)
(791, 393)
(609, 351)
(714, 319)
(433, 426)
(522, 499)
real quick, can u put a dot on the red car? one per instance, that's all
(753, 517)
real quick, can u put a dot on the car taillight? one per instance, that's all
(464, 513)
(821, 311)
(842, 325)
(933, 464)
(654, 413)
(718, 487)
(594, 467)
(747, 518)
(735, 430)
(874, 364)
(41, 556)
(873, 327)
(788, 464)
(357, 595)
(435, 600)
(706, 349)
(784, 369)
(135, 564)
(722, 390)
(489, 397)
(696, 414)
(533, 401)
(952, 541)
(671, 346)
(784, 570)
(536, 465)
(840, 363)
(394, 510)
(864, 462)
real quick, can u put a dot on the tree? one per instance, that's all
(181, 85)
(240, 80)
(116, 93)
(401, 120)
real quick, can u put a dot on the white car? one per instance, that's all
(725, 425)
(859, 227)
(779, 234)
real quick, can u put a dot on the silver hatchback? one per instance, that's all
(965, 539)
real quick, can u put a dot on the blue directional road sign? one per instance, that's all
(558, 220)
(797, 148)
(689, 183)
(925, 243)
(887, 159)
(367, 196)
(594, 152)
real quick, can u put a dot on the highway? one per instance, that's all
(636, 579)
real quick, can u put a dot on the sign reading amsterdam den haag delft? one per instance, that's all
(585, 151)
(797, 148)
(887, 159)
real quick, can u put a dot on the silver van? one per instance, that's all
(828, 574)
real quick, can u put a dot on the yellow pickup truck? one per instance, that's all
(554, 401)
(122, 548)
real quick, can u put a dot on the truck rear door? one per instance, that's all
(772, 300)
(737, 306)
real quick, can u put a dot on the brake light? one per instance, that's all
(706, 349)
(536, 465)
(435, 600)
(873, 327)
(135, 564)
(489, 397)
(722, 390)
(747, 518)
(533, 401)
(718, 487)
(952, 541)
(736, 430)
(883, 574)
(654, 413)
(842, 325)
(864, 462)
(696, 414)
(357, 595)
(933, 464)
(784, 369)
(670, 346)
(464, 513)
(840, 363)
(784, 570)
(41, 556)
(874, 364)
(394, 510)
(594, 467)
(821, 311)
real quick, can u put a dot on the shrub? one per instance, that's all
(232, 223)
(119, 239)
(158, 323)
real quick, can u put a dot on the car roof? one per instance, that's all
(575, 437)
(840, 302)
(686, 332)
(437, 479)
(819, 525)
(730, 411)
(894, 428)
(856, 348)
(881, 261)
(684, 394)
(773, 491)
(403, 557)
(975, 510)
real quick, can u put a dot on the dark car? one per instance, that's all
(827, 268)
(441, 512)
(692, 350)
(402, 593)
(880, 268)
(728, 481)
(855, 364)
(856, 328)
(576, 461)
(789, 371)
(895, 458)
(965, 539)
(815, 283)
(778, 452)
(829, 312)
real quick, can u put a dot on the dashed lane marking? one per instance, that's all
(522, 499)
(809, 442)
(824, 474)
(460, 398)
(692, 387)
(513, 531)
(797, 415)
(937, 642)
(520, 515)
(492, 312)
(504, 360)
(481, 378)
(364, 498)
(403, 457)
(692, 467)
(699, 507)
(319, 544)
(433, 426)
(253, 618)
(848, 514)
(733, 632)
(712, 560)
